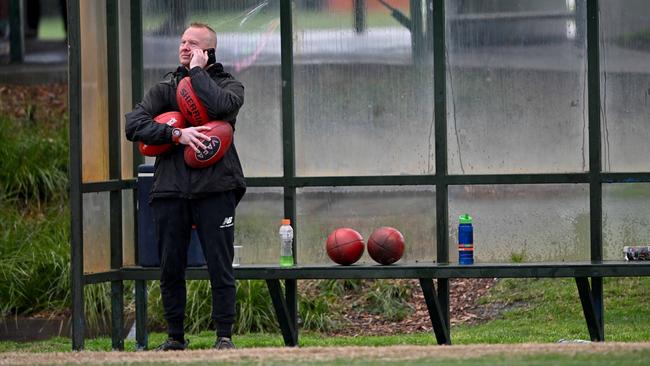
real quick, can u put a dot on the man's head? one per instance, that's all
(196, 36)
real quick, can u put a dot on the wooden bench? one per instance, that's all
(437, 299)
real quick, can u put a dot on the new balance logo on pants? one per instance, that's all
(227, 222)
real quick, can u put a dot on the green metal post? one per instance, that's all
(137, 73)
(17, 31)
(417, 31)
(76, 208)
(595, 157)
(141, 333)
(429, 25)
(114, 166)
(440, 121)
(359, 15)
(288, 138)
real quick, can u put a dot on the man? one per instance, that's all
(182, 196)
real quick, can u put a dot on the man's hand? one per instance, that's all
(199, 58)
(193, 137)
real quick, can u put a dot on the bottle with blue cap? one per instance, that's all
(465, 240)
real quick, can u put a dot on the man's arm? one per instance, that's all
(221, 102)
(140, 125)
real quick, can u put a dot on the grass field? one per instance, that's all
(533, 311)
(51, 28)
(522, 354)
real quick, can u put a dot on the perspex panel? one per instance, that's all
(258, 219)
(96, 232)
(516, 87)
(411, 210)
(126, 102)
(248, 45)
(128, 228)
(626, 217)
(625, 85)
(94, 92)
(523, 223)
(363, 97)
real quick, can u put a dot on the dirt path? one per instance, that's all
(261, 355)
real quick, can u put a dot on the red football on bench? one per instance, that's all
(220, 141)
(344, 246)
(190, 104)
(174, 119)
(386, 245)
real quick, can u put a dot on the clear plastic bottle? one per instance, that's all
(286, 243)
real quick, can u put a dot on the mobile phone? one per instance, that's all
(212, 58)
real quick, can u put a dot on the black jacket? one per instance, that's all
(222, 95)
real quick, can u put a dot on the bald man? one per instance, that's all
(182, 196)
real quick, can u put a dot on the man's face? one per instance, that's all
(193, 38)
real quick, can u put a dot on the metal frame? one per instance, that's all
(285, 301)
(17, 31)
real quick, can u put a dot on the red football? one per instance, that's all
(190, 104)
(344, 246)
(174, 119)
(214, 150)
(386, 245)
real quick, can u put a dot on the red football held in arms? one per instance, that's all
(173, 119)
(190, 104)
(345, 246)
(214, 149)
(386, 245)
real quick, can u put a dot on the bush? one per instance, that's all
(34, 260)
(34, 164)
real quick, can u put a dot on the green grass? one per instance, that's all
(263, 21)
(537, 311)
(34, 162)
(540, 311)
(51, 29)
(547, 310)
(34, 219)
(205, 341)
(635, 358)
(34, 260)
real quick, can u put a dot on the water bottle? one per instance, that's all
(465, 240)
(286, 241)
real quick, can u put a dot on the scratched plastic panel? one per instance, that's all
(411, 210)
(248, 45)
(94, 92)
(128, 228)
(523, 223)
(516, 86)
(626, 217)
(625, 85)
(363, 89)
(96, 232)
(126, 86)
(259, 216)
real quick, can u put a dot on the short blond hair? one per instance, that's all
(209, 28)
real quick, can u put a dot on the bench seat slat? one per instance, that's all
(414, 271)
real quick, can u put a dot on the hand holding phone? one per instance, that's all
(212, 58)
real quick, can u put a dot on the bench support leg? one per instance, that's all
(291, 297)
(117, 315)
(438, 320)
(592, 305)
(141, 335)
(282, 312)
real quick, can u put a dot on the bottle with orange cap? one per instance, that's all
(286, 244)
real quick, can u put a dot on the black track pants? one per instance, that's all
(214, 217)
